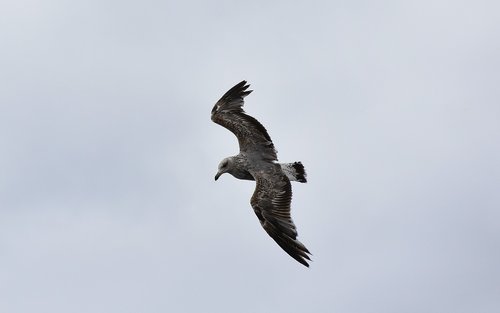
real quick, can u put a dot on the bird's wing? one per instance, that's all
(271, 203)
(252, 136)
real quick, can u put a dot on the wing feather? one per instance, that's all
(271, 203)
(252, 135)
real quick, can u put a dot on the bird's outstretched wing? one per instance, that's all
(271, 203)
(252, 136)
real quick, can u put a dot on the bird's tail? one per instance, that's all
(294, 171)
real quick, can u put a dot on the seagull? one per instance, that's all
(258, 161)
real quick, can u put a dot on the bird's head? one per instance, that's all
(224, 166)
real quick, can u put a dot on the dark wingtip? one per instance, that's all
(238, 90)
(301, 258)
(303, 261)
(230, 99)
(294, 248)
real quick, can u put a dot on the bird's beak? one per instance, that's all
(218, 175)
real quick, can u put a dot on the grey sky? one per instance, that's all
(107, 198)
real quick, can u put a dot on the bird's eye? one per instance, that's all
(224, 164)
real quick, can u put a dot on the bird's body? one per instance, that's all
(240, 168)
(257, 161)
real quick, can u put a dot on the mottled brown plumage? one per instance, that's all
(257, 161)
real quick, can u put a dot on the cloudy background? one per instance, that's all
(107, 155)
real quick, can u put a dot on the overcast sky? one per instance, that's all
(108, 155)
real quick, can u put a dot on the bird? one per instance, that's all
(257, 160)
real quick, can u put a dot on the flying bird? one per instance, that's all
(258, 161)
